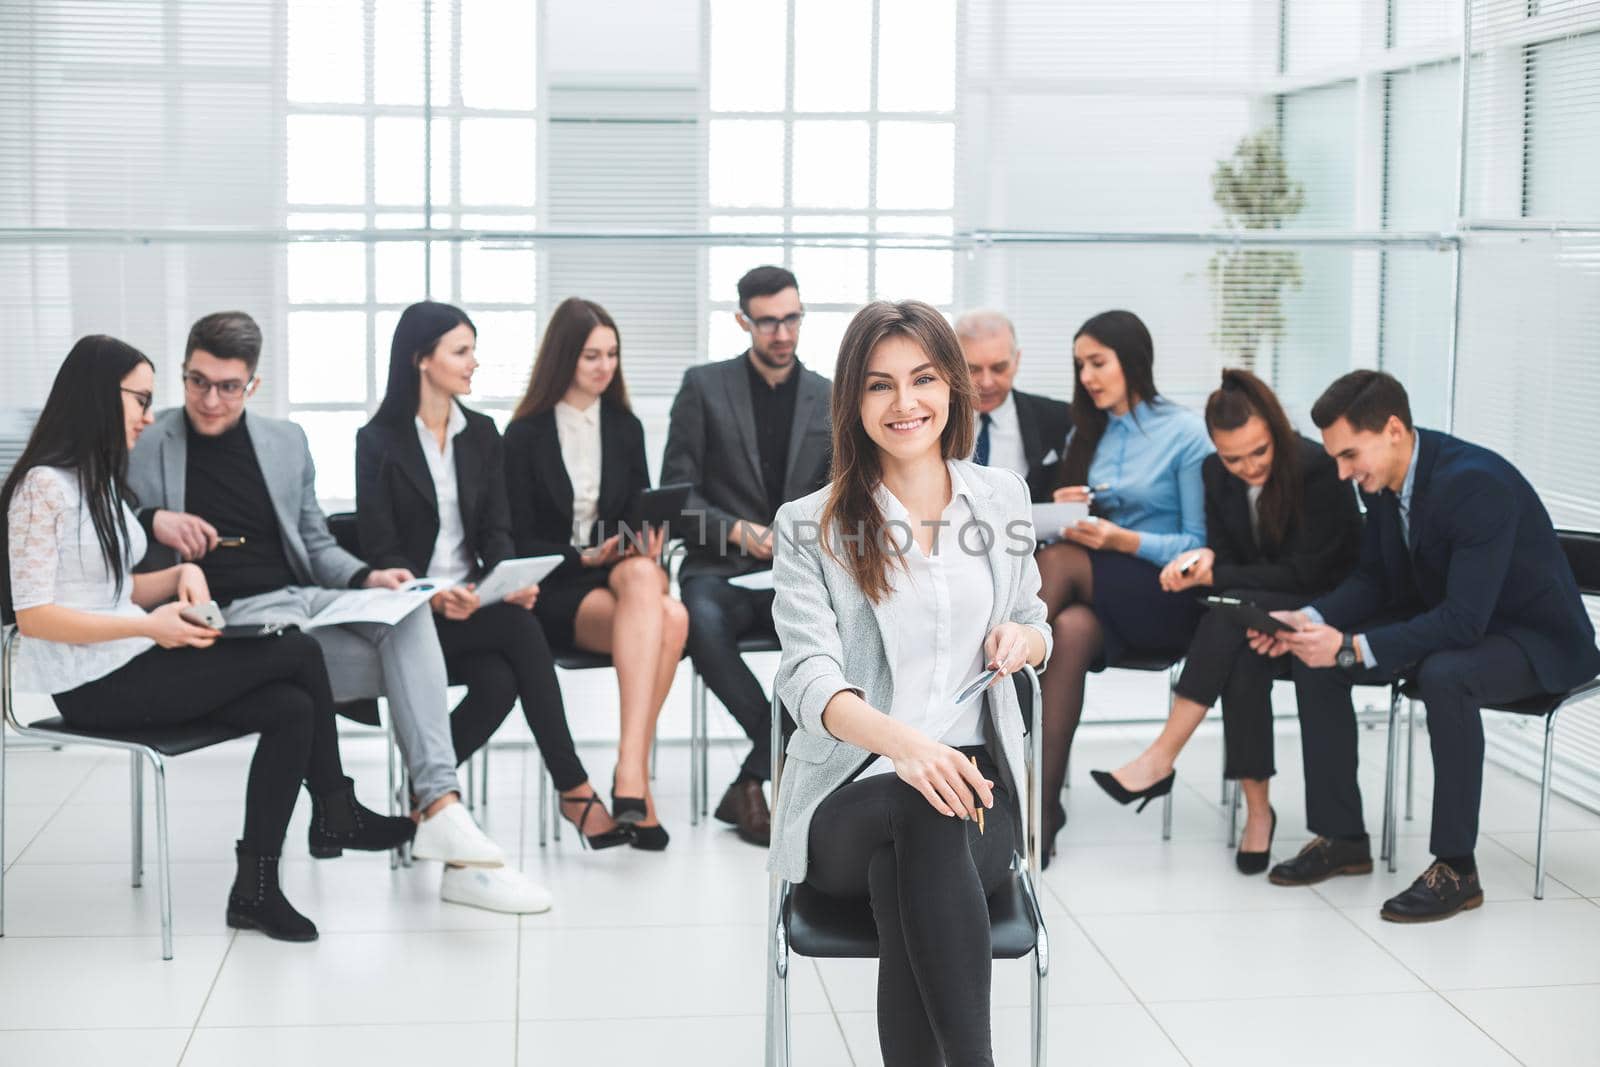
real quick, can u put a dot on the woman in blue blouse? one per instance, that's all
(1135, 457)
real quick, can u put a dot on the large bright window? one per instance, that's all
(835, 118)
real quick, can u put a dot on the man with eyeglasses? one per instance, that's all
(749, 434)
(238, 495)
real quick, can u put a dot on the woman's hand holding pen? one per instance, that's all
(946, 778)
(1006, 649)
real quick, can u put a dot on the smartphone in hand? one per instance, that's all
(207, 614)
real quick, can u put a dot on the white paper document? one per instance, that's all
(1050, 519)
(756, 581)
(386, 606)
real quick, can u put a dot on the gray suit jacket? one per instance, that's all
(158, 469)
(835, 639)
(711, 445)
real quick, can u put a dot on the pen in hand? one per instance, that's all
(979, 807)
(230, 542)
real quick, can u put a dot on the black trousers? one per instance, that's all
(274, 686)
(720, 613)
(1220, 664)
(928, 878)
(500, 654)
(1455, 685)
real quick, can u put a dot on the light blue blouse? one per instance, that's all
(1151, 459)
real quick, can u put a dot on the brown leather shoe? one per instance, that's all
(744, 806)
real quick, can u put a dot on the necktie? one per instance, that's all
(980, 455)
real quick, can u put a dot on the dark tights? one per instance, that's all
(1067, 589)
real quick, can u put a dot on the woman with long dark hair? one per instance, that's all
(1135, 457)
(575, 463)
(1281, 530)
(895, 585)
(115, 651)
(431, 497)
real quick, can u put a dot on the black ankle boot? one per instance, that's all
(339, 821)
(256, 902)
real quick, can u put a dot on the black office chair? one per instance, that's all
(152, 745)
(810, 923)
(1582, 549)
(699, 734)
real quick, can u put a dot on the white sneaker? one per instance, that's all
(494, 889)
(451, 836)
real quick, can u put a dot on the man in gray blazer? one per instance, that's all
(240, 499)
(749, 434)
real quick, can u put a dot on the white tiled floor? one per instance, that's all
(1162, 953)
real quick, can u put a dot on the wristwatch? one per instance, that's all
(1347, 652)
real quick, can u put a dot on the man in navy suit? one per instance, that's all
(1463, 586)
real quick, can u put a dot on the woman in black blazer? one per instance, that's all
(430, 497)
(575, 461)
(1282, 528)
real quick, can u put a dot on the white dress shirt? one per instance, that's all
(579, 434)
(940, 606)
(1005, 437)
(451, 560)
(56, 559)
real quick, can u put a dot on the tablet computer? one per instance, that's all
(658, 507)
(509, 575)
(1246, 614)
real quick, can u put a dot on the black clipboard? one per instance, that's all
(658, 508)
(1245, 614)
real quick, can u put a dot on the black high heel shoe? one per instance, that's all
(626, 809)
(650, 838)
(1256, 862)
(1123, 795)
(619, 834)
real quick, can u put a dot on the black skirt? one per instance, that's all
(559, 597)
(1135, 613)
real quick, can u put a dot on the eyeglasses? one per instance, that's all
(199, 385)
(143, 399)
(767, 325)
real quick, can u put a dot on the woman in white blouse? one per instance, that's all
(575, 462)
(116, 652)
(896, 585)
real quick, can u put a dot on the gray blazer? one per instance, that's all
(835, 639)
(158, 469)
(711, 445)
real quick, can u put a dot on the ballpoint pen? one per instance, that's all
(979, 807)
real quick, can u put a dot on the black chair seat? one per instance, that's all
(362, 711)
(167, 740)
(1540, 705)
(759, 643)
(834, 928)
(576, 659)
(1145, 661)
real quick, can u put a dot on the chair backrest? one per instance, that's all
(343, 526)
(1583, 552)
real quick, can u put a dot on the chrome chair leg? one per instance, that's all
(697, 767)
(136, 797)
(1166, 801)
(1391, 805)
(394, 789)
(483, 778)
(544, 806)
(1411, 753)
(1544, 803)
(158, 768)
(471, 798)
(1233, 816)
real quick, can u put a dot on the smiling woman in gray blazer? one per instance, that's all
(896, 585)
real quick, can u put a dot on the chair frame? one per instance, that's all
(700, 734)
(138, 755)
(778, 1047)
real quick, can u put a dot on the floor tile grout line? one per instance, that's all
(838, 1024)
(212, 988)
(1145, 1007)
(516, 1003)
(5, 783)
(1386, 950)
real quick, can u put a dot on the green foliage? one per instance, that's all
(1255, 192)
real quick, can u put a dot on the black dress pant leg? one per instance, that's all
(720, 613)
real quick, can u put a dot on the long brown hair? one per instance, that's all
(1125, 334)
(564, 337)
(1241, 397)
(857, 470)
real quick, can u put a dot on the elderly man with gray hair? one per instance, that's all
(1016, 430)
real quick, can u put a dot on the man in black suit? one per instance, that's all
(749, 434)
(1463, 586)
(1017, 430)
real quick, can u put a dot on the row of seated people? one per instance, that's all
(440, 493)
